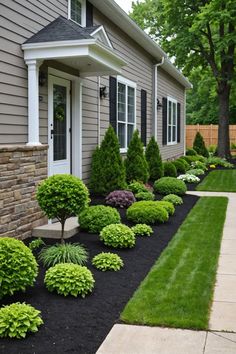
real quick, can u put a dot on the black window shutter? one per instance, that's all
(112, 103)
(178, 123)
(144, 117)
(164, 121)
(89, 14)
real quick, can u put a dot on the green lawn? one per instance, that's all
(178, 290)
(219, 181)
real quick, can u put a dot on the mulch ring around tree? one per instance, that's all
(76, 325)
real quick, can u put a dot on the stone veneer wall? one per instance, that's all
(21, 169)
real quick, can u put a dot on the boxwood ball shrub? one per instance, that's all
(145, 196)
(18, 266)
(120, 199)
(62, 196)
(142, 230)
(69, 279)
(173, 198)
(94, 218)
(186, 163)
(117, 236)
(170, 185)
(107, 261)
(180, 166)
(147, 212)
(169, 169)
(18, 319)
(168, 206)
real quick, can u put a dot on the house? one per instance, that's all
(68, 69)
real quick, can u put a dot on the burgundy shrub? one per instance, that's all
(120, 198)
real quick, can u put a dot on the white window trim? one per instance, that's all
(127, 82)
(83, 14)
(173, 100)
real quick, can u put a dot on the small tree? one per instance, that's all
(136, 163)
(62, 196)
(154, 160)
(108, 172)
(199, 145)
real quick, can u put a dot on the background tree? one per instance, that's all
(200, 32)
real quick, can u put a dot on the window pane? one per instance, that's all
(76, 11)
(174, 113)
(169, 133)
(121, 102)
(59, 122)
(130, 133)
(174, 134)
(169, 112)
(131, 104)
(121, 134)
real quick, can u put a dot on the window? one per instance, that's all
(126, 111)
(171, 121)
(77, 11)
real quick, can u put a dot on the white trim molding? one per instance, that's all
(83, 13)
(173, 102)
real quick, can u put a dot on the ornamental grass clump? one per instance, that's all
(154, 160)
(174, 199)
(18, 319)
(94, 218)
(62, 196)
(69, 279)
(107, 261)
(142, 230)
(63, 253)
(120, 199)
(170, 185)
(18, 266)
(169, 169)
(147, 212)
(117, 236)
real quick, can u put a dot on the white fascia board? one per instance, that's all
(56, 52)
(101, 29)
(112, 62)
(77, 42)
(99, 47)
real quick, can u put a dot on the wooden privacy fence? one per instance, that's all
(209, 133)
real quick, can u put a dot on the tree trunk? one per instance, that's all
(62, 232)
(223, 131)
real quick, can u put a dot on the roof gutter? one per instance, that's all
(155, 79)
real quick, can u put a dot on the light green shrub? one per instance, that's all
(35, 244)
(107, 261)
(117, 236)
(137, 187)
(145, 196)
(142, 230)
(170, 185)
(168, 206)
(174, 199)
(147, 212)
(196, 172)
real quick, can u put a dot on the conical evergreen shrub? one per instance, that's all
(199, 145)
(136, 163)
(108, 172)
(154, 160)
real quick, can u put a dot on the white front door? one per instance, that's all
(59, 125)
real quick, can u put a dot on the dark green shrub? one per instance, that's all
(16, 320)
(135, 163)
(66, 253)
(62, 196)
(168, 206)
(107, 261)
(145, 196)
(191, 152)
(147, 212)
(186, 163)
(199, 145)
(137, 187)
(169, 169)
(35, 244)
(107, 170)
(18, 266)
(154, 160)
(174, 199)
(69, 279)
(180, 166)
(118, 236)
(191, 159)
(142, 230)
(94, 218)
(170, 185)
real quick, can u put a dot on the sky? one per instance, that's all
(125, 4)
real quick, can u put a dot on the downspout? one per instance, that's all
(99, 110)
(184, 122)
(155, 97)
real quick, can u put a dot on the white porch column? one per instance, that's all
(33, 102)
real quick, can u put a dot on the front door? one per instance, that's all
(59, 125)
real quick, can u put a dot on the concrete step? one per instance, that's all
(54, 230)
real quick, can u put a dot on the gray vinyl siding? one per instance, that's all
(167, 86)
(19, 20)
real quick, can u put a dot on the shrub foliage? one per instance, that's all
(147, 212)
(117, 236)
(174, 199)
(142, 230)
(169, 169)
(120, 199)
(137, 187)
(170, 185)
(180, 166)
(145, 196)
(199, 145)
(154, 160)
(107, 261)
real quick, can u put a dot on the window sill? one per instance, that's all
(123, 151)
(173, 143)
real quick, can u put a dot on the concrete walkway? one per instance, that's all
(126, 339)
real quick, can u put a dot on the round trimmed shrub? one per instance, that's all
(186, 163)
(147, 212)
(145, 196)
(170, 185)
(18, 319)
(142, 230)
(191, 152)
(180, 166)
(118, 236)
(169, 169)
(18, 266)
(107, 261)
(94, 218)
(174, 199)
(120, 199)
(69, 279)
(168, 206)
(137, 187)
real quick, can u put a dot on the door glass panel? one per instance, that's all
(59, 123)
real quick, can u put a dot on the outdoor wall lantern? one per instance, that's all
(159, 105)
(103, 92)
(42, 78)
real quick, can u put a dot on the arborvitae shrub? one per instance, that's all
(154, 160)
(199, 145)
(169, 169)
(191, 152)
(108, 172)
(136, 163)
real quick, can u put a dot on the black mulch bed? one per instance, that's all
(75, 325)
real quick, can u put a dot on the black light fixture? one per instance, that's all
(42, 78)
(103, 92)
(159, 105)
